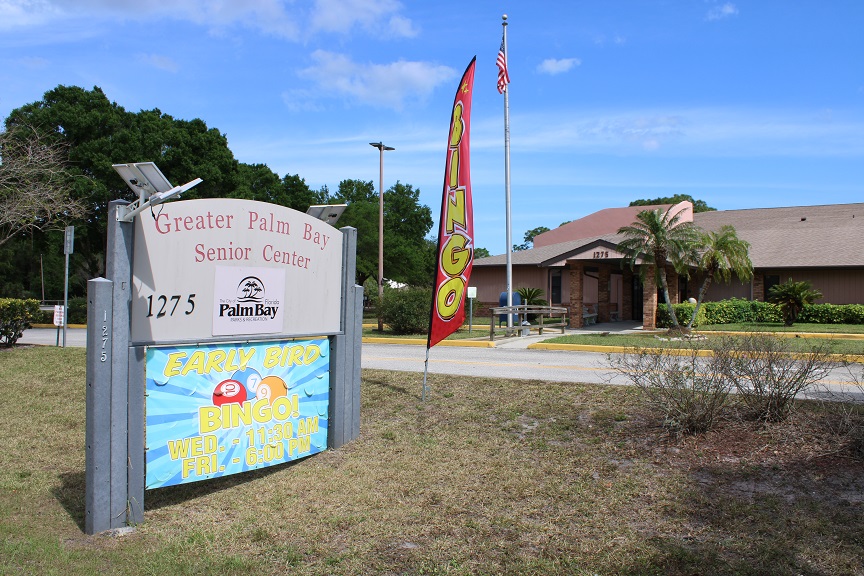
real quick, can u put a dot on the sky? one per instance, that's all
(742, 104)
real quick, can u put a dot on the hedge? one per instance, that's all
(740, 311)
(15, 317)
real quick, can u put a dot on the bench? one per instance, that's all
(589, 314)
(545, 316)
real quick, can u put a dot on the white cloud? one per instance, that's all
(158, 61)
(386, 85)
(720, 12)
(557, 66)
(276, 17)
(343, 16)
(25, 13)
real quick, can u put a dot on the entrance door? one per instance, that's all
(637, 298)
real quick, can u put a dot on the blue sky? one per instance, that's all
(743, 104)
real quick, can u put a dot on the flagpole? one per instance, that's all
(507, 188)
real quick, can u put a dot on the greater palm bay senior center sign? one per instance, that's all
(224, 267)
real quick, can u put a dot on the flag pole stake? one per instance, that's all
(425, 373)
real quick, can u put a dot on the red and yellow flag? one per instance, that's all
(456, 225)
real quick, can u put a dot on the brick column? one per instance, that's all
(603, 294)
(576, 296)
(649, 300)
(759, 287)
(672, 281)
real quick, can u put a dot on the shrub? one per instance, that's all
(683, 312)
(15, 317)
(407, 310)
(78, 310)
(768, 376)
(791, 297)
(688, 390)
(843, 409)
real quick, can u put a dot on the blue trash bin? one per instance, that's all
(502, 301)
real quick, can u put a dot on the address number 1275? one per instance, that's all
(162, 305)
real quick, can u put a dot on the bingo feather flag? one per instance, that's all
(456, 225)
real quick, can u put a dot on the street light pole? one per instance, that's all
(381, 148)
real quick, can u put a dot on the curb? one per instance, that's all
(422, 342)
(857, 358)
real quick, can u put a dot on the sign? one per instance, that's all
(224, 409)
(59, 316)
(69, 240)
(225, 267)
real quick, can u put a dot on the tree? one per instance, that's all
(722, 253)
(659, 237)
(407, 251)
(698, 205)
(34, 183)
(791, 297)
(481, 253)
(529, 238)
(99, 133)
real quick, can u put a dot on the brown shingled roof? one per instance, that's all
(600, 222)
(790, 237)
(798, 236)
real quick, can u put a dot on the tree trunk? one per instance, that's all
(702, 290)
(665, 285)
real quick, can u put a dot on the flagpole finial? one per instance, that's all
(504, 17)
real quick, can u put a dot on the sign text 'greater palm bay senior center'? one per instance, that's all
(224, 267)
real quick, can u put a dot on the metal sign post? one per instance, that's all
(68, 246)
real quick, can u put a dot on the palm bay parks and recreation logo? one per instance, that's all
(247, 300)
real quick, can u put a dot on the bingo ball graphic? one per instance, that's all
(229, 391)
(271, 388)
(248, 377)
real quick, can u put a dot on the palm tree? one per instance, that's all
(791, 297)
(722, 254)
(659, 237)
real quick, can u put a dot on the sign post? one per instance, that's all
(68, 246)
(472, 294)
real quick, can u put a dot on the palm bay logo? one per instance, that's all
(250, 289)
(243, 306)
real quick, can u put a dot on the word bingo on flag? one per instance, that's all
(456, 225)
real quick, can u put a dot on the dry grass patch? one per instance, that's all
(487, 477)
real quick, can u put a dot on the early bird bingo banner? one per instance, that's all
(228, 408)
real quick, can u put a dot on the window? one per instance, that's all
(771, 280)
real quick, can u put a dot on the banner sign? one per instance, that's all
(225, 267)
(456, 225)
(223, 409)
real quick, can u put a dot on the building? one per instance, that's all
(577, 265)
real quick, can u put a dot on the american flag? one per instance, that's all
(503, 75)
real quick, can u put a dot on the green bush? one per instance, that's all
(406, 310)
(832, 314)
(78, 310)
(683, 312)
(15, 317)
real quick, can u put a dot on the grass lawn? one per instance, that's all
(836, 345)
(779, 327)
(488, 476)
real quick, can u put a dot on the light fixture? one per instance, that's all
(151, 186)
(329, 213)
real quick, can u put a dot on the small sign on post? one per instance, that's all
(59, 316)
(69, 240)
(59, 319)
(472, 294)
